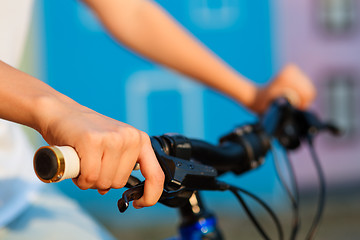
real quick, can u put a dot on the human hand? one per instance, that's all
(291, 83)
(108, 149)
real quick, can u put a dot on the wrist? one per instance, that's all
(48, 109)
(259, 100)
(237, 87)
(247, 94)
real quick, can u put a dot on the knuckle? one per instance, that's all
(82, 186)
(133, 135)
(93, 138)
(121, 137)
(119, 183)
(113, 141)
(91, 178)
(145, 138)
(82, 183)
(159, 178)
(103, 184)
(128, 138)
(125, 137)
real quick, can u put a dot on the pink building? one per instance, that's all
(323, 38)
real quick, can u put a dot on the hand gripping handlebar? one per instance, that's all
(191, 164)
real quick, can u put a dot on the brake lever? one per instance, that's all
(136, 192)
(333, 129)
(129, 195)
(290, 125)
(182, 176)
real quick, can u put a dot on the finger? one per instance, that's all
(103, 192)
(292, 96)
(111, 161)
(90, 163)
(154, 177)
(124, 170)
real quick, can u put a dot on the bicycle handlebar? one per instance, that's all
(191, 164)
(57, 163)
(188, 164)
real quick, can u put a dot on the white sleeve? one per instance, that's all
(15, 19)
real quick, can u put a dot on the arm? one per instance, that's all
(108, 149)
(147, 29)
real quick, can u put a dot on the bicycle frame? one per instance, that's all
(197, 222)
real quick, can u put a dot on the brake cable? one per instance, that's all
(293, 197)
(322, 190)
(274, 217)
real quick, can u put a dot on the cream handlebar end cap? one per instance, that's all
(54, 163)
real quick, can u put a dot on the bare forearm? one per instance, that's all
(99, 141)
(25, 99)
(147, 29)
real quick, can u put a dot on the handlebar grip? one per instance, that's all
(54, 163)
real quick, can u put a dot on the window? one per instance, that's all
(342, 102)
(337, 17)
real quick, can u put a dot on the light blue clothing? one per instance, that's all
(28, 208)
(18, 183)
(17, 179)
(51, 215)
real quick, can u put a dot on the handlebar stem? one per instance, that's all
(197, 222)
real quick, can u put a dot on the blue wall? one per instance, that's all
(85, 63)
